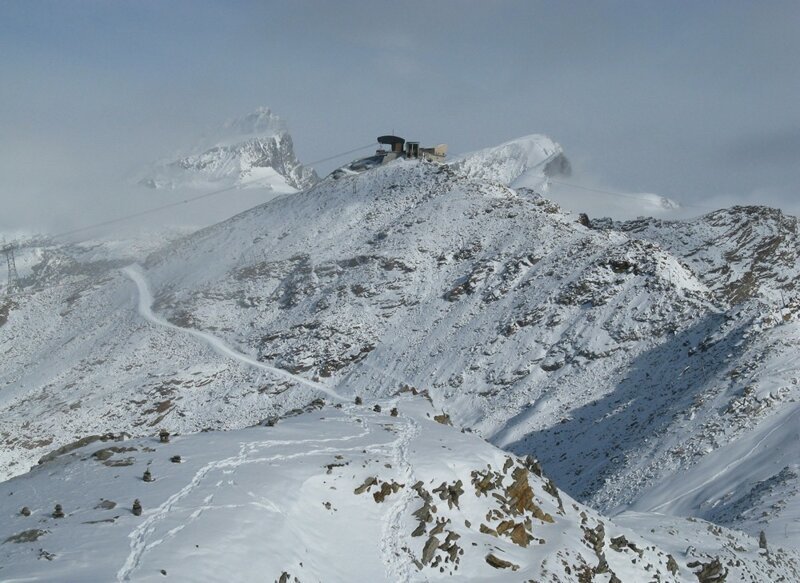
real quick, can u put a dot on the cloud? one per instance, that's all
(778, 148)
(694, 101)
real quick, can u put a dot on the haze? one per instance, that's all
(695, 101)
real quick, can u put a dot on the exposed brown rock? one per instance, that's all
(498, 563)
(368, 482)
(429, 549)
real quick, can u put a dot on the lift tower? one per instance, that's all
(13, 277)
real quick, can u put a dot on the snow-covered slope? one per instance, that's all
(388, 492)
(255, 150)
(524, 162)
(608, 354)
(743, 252)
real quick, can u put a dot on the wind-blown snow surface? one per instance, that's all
(524, 162)
(338, 494)
(625, 359)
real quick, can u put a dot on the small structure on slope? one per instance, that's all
(396, 147)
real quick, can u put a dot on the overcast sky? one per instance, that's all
(698, 100)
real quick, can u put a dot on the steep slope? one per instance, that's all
(255, 150)
(525, 162)
(611, 358)
(339, 494)
(741, 252)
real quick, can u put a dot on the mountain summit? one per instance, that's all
(254, 150)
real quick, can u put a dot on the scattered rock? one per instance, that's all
(429, 549)
(58, 512)
(107, 452)
(450, 494)
(619, 543)
(498, 563)
(444, 419)
(128, 461)
(672, 565)
(26, 536)
(712, 572)
(368, 482)
(80, 443)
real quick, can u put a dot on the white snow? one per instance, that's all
(255, 503)
(650, 365)
(145, 309)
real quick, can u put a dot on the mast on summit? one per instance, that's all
(13, 277)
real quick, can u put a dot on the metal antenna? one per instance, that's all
(13, 277)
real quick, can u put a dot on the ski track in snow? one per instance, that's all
(141, 534)
(728, 467)
(396, 560)
(135, 274)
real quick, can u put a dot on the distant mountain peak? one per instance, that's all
(261, 122)
(254, 150)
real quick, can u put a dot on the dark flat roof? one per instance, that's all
(389, 140)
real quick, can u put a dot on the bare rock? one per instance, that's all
(499, 563)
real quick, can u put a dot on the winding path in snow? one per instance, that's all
(395, 558)
(135, 274)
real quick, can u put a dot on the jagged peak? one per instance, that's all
(262, 121)
(255, 149)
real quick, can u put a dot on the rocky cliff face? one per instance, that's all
(254, 150)
(742, 253)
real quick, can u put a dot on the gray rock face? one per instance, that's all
(238, 155)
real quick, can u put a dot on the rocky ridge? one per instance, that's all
(611, 355)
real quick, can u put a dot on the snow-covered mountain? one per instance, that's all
(648, 365)
(384, 491)
(255, 150)
(525, 162)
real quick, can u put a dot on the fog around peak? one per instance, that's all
(695, 102)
